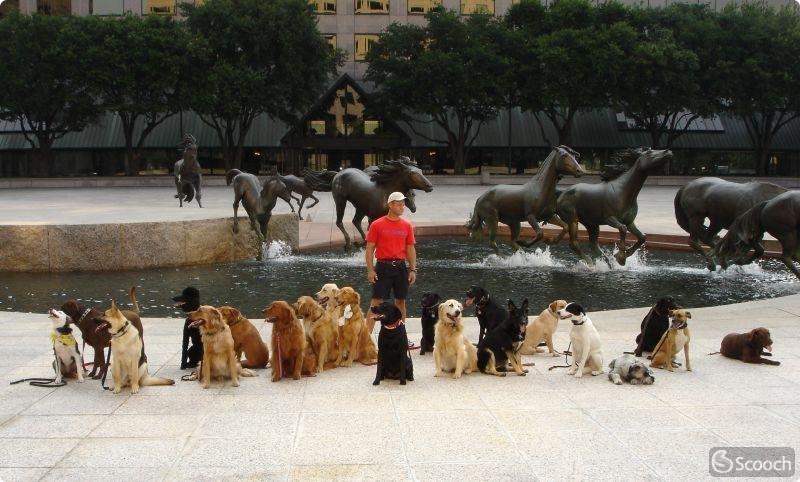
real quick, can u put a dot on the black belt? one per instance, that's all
(393, 262)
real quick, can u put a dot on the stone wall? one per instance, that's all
(110, 247)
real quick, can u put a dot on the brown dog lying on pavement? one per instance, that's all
(88, 319)
(288, 340)
(748, 347)
(246, 339)
(322, 333)
(675, 339)
(219, 359)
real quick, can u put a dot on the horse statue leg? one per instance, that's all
(197, 194)
(640, 239)
(554, 219)
(236, 200)
(491, 225)
(573, 243)
(623, 232)
(789, 244)
(357, 219)
(316, 201)
(536, 227)
(341, 204)
(594, 245)
(516, 227)
(300, 207)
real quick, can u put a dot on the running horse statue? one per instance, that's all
(306, 185)
(721, 202)
(611, 203)
(534, 201)
(188, 173)
(258, 199)
(369, 192)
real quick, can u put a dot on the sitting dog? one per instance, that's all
(654, 325)
(88, 319)
(128, 363)
(326, 296)
(219, 358)
(430, 305)
(675, 339)
(587, 355)
(453, 351)
(748, 347)
(189, 300)
(322, 333)
(288, 344)
(394, 361)
(246, 339)
(543, 328)
(355, 342)
(627, 368)
(502, 344)
(68, 358)
(490, 313)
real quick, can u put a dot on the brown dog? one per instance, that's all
(246, 339)
(288, 340)
(543, 328)
(748, 347)
(355, 342)
(219, 359)
(322, 333)
(675, 339)
(88, 319)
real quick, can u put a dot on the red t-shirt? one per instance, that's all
(391, 237)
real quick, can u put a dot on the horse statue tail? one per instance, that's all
(230, 175)
(188, 191)
(680, 214)
(475, 223)
(319, 180)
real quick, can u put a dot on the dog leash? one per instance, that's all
(105, 372)
(567, 352)
(43, 382)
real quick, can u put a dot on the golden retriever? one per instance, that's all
(453, 351)
(288, 340)
(219, 358)
(355, 343)
(327, 297)
(246, 339)
(321, 331)
(543, 328)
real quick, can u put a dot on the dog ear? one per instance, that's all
(440, 311)
(358, 297)
(525, 305)
(553, 305)
(751, 337)
(688, 315)
(671, 313)
(511, 305)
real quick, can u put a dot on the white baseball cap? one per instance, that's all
(396, 196)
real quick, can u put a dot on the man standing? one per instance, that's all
(390, 239)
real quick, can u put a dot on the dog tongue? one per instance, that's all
(468, 302)
(768, 348)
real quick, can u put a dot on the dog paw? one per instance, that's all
(206, 385)
(81, 380)
(578, 374)
(619, 382)
(437, 374)
(522, 374)
(556, 353)
(376, 382)
(456, 375)
(525, 370)
(595, 373)
(117, 390)
(134, 390)
(234, 384)
(297, 377)
(571, 371)
(402, 382)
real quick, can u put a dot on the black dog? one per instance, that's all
(430, 303)
(394, 361)
(502, 344)
(490, 313)
(189, 300)
(654, 325)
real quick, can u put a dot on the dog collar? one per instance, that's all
(237, 320)
(84, 315)
(122, 330)
(317, 318)
(393, 325)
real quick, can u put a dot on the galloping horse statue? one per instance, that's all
(611, 203)
(780, 217)
(258, 202)
(369, 192)
(305, 186)
(188, 173)
(721, 202)
(533, 202)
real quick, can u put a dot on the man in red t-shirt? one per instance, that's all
(390, 239)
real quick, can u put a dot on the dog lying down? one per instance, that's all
(749, 347)
(627, 368)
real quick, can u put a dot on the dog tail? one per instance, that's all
(230, 175)
(475, 223)
(132, 295)
(151, 381)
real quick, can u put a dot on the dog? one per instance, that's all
(355, 342)
(654, 325)
(68, 358)
(453, 351)
(288, 344)
(543, 328)
(502, 344)
(675, 339)
(246, 339)
(394, 360)
(128, 362)
(219, 357)
(326, 296)
(587, 355)
(188, 301)
(321, 331)
(748, 347)
(430, 305)
(87, 321)
(627, 368)
(490, 313)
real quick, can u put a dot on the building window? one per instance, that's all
(422, 6)
(323, 6)
(54, 7)
(468, 7)
(331, 39)
(362, 45)
(372, 6)
(159, 7)
(105, 7)
(371, 127)
(316, 127)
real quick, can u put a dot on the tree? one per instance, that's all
(255, 57)
(45, 77)
(450, 73)
(760, 72)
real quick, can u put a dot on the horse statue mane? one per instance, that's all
(621, 162)
(188, 141)
(386, 171)
(319, 180)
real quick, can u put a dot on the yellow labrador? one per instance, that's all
(543, 328)
(453, 351)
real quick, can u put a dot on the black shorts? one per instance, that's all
(390, 279)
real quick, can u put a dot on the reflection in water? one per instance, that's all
(447, 266)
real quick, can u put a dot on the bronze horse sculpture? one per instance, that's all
(721, 202)
(306, 185)
(369, 192)
(258, 200)
(780, 217)
(611, 203)
(188, 173)
(534, 201)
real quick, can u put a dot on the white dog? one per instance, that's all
(453, 351)
(68, 358)
(587, 356)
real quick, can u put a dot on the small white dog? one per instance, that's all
(453, 351)
(587, 356)
(68, 358)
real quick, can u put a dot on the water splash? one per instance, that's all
(521, 259)
(276, 250)
(636, 262)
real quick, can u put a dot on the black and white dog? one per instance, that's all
(68, 361)
(394, 361)
(430, 306)
(191, 356)
(502, 344)
(490, 313)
